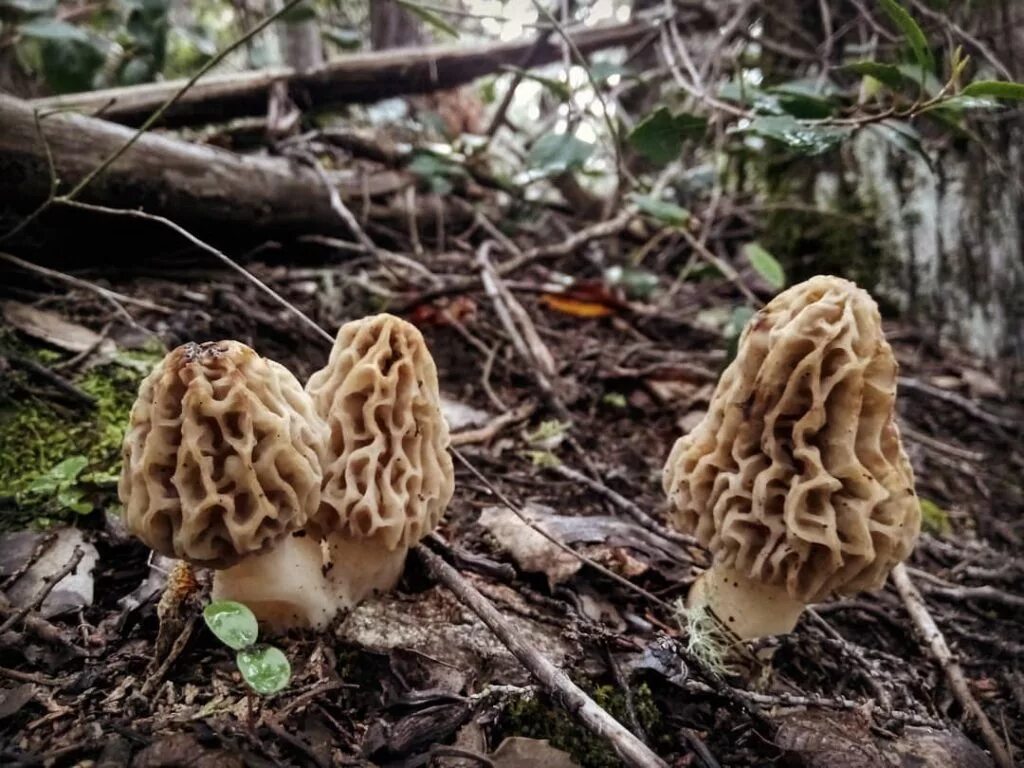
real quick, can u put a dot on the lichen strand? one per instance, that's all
(538, 718)
(37, 434)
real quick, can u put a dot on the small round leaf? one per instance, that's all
(233, 623)
(265, 669)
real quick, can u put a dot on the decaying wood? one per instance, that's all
(933, 638)
(361, 77)
(628, 747)
(186, 182)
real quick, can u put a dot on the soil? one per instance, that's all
(110, 684)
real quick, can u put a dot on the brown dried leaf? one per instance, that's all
(530, 549)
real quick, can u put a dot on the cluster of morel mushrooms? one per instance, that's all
(306, 500)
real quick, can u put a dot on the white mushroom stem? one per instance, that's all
(746, 606)
(358, 568)
(284, 587)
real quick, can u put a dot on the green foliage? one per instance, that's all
(804, 138)
(263, 667)
(436, 170)
(666, 212)
(428, 17)
(556, 153)
(934, 519)
(765, 265)
(997, 89)
(659, 136)
(57, 491)
(233, 623)
(41, 445)
(884, 73)
(913, 34)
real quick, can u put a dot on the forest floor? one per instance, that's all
(93, 674)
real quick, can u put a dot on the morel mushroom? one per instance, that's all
(796, 479)
(222, 468)
(387, 475)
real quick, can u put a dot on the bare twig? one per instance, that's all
(204, 246)
(490, 430)
(627, 506)
(518, 512)
(628, 747)
(49, 582)
(933, 638)
(113, 297)
(969, 406)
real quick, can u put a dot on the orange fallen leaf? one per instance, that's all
(575, 307)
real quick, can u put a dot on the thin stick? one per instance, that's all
(112, 296)
(627, 506)
(212, 251)
(518, 512)
(49, 583)
(933, 638)
(628, 747)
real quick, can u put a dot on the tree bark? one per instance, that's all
(363, 77)
(186, 182)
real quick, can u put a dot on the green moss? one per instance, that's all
(538, 718)
(934, 519)
(37, 435)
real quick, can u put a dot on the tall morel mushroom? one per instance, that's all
(796, 479)
(387, 475)
(222, 469)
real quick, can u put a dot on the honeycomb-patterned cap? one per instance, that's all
(387, 472)
(221, 456)
(796, 476)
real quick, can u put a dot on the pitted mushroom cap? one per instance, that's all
(221, 457)
(796, 476)
(387, 471)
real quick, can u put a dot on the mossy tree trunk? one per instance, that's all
(945, 241)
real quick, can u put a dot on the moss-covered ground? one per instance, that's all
(56, 459)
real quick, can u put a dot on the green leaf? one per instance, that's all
(884, 73)
(233, 623)
(72, 498)
(428, 17)
(912, 73)
(801, 137)
(666, 212)
(934, 519)
(659, 136)
(802, 99)
(265, 669)
(996, 89)
(904, 137)
(557, 87)
(346, 38)
(71, 65)
(602, 70)
(53, 29)
(766, 265)
(558, 152)
(734, 329)
(26, 7)
(638, 284)
(912, 32)
(436, 170)
(59, 475)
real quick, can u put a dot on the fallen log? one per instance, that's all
(358, 78)
(186, 182)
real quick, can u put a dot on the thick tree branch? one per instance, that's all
(361, 77)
